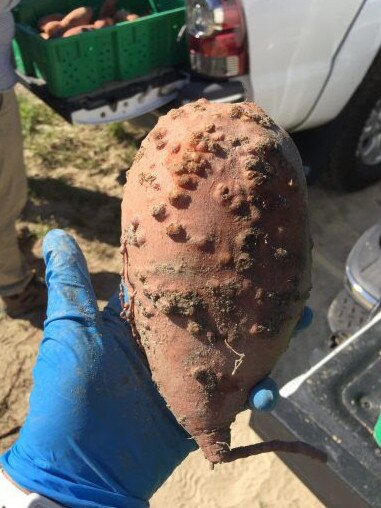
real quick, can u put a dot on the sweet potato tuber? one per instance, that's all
(53, 28)
(78, 30)
(216, 256)
(102, 23)
(47, 19)
(124, 15)
(82, 16)
(121, 15)
(78, 17)
(108, 9)
(132, 17)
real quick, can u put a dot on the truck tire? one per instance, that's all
(350, 145)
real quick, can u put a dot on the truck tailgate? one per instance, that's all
(116, 101)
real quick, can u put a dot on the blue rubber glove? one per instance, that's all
(265, 395)
(98, 433)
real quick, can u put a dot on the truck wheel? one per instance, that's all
(352, 142)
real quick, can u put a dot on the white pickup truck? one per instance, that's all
(308, 63)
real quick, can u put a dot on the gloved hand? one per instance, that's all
(265, 394)
(98, 433)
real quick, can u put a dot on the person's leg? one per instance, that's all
(20, 290)
(14, 273)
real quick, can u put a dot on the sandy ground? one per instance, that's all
(257, 482)
(83, 198)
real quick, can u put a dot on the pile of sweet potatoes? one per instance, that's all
(82, 20)
(217, 260)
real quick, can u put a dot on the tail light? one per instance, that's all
(217, 37)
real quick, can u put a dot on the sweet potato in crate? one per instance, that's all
(82, 63)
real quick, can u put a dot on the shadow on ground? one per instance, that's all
(105, 284)
(95, 215)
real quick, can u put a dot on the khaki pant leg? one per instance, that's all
(14, 274)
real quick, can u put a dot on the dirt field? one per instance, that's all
(75, 178)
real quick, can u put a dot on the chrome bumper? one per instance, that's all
(363, 269)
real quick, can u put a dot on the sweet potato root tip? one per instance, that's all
(217, 449)
(276, 446)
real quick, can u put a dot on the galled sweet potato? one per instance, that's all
(217, 260)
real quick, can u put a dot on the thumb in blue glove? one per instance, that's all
(265, 394)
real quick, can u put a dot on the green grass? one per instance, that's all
(53, 143)
(34, 115)
(39, 229)
(124, 133)
(76, 172)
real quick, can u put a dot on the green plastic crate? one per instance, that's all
(82, 63)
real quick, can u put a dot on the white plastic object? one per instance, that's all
(13, 497)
